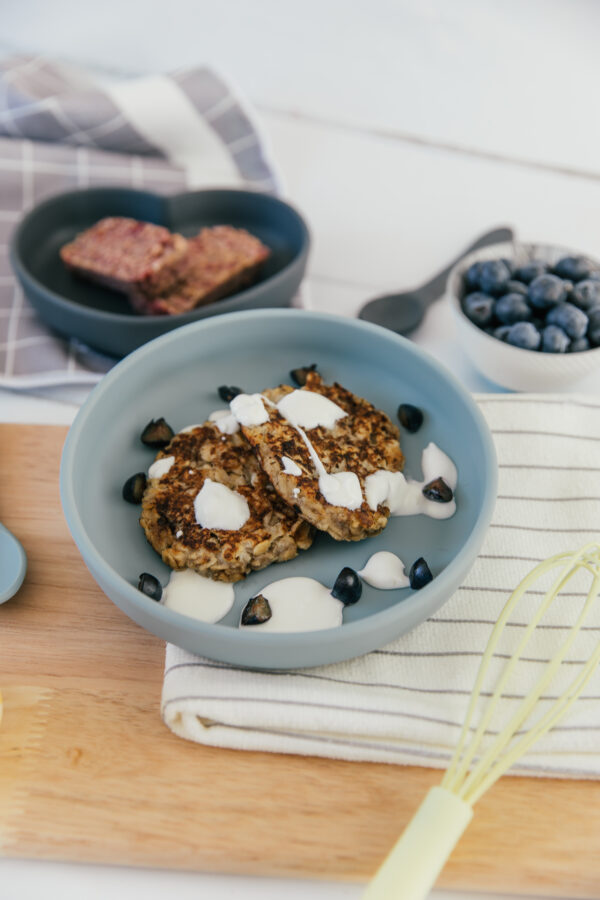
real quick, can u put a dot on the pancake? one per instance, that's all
(273, 532)
(364, 441)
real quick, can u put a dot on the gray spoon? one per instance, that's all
(404, 312)
(13, 564)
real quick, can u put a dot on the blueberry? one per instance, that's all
(575, 268)
(593, 276)
(586, 293)
(411, 417)
(157, 434)
(579, 345)
(546, 291)
(571, 319)
(511, 308)
(524, 335)
(227, 393)
(134, 487)
(516, 287)
(438, 491)
(299, 375)
(493, 277)
(593, 332)
(531, 270)
(554, 340)
(472, 276)
(347, 587)
(501, 332)
(150, 586)
(256, 611)
(420, 574)
(479, 308)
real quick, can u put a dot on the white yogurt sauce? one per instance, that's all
(161, 467)
(299, 604)
(200, 598)
(309, 410)
(217, 506)
(340, 488)
(249, 409)
(405, 497)
(385, 570)
(188, 428)
(296, 492)
(290, 467)
(225, 421)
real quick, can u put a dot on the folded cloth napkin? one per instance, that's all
(60, 129)
(405, 703)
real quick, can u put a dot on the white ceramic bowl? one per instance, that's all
(512, 367)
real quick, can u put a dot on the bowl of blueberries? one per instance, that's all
(528, 315)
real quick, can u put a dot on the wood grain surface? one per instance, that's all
(88, 771)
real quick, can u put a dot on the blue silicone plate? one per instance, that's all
(176, 376)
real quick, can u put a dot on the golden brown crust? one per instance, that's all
(362, 442)
(273, 533)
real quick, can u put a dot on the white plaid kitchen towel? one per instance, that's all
(60, 130)
(405, 703)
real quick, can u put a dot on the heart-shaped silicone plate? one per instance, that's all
(103, 318)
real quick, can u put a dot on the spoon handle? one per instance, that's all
(433, 289)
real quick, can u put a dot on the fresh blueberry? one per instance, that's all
(347, 587)
(150, 586)
(472, 276)
(531, 270)
(546, 291)
(575, 268)
(411, 417)
(516, 287)
(493, 277)
(420, 574)
(479, 308)
(593, 332)
(571, 319)
(594, 276)
(501, 332)
(134, 487)
(586, 293)
(511, 308)
(524, 335)
(554, 340)
(579, 345)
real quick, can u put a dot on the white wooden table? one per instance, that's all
(402, 130)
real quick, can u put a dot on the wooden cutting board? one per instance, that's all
(88, 771)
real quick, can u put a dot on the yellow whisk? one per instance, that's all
(413, 865)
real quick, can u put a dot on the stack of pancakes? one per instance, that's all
(285, 509)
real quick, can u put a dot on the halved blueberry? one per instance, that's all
(411, 417)
(256, 611)
(157, 434)
(347, 587)
(420, 574)
(438, 491)
(134, 487)
(228, 392)
(150, 586)
(299, 375)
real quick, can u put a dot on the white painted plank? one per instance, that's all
(510, 78)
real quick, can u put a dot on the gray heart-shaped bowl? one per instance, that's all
(102, 318)
(176, 376)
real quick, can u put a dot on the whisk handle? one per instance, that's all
(413, 865)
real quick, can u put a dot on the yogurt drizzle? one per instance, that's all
(405, 497)
(385, 570)
(160, 467)
(217, 506)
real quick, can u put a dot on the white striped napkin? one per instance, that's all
(405, 703)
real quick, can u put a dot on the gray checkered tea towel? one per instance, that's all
(60, 129)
